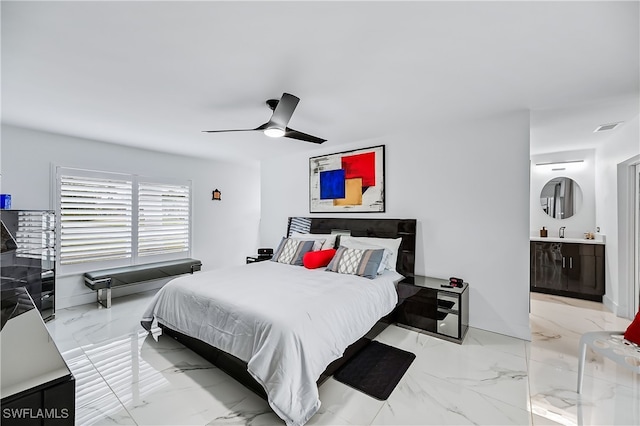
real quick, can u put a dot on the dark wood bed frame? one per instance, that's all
(379, 228)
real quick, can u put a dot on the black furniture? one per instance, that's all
(107, 279)
(37, 386)
(28, 256)
(426, 306)
(568, 269)
(381, 228)
(378, 228)
(263, 254)
(258, 258)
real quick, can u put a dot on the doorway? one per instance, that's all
(636, 256)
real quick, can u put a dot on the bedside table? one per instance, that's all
(427, 307)
(253, 259)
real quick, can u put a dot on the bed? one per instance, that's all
(282, 329)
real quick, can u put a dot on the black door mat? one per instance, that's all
(376, 369)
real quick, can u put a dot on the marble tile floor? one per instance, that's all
(127, 376)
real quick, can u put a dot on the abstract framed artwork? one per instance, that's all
(350, 181)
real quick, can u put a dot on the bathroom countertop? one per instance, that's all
(599, 240)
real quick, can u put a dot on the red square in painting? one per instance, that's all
(361, 166)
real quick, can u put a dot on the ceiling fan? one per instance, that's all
(277, 125)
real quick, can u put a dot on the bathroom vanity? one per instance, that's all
(572, 267)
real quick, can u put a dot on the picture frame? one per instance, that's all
(348, 181)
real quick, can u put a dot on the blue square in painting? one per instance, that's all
(332, 184)
(5, 201)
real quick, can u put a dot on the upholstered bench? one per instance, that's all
(107, 279)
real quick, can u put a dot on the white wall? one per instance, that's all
(613, 160)
(468, 187)
(224, 232)
(583, 173)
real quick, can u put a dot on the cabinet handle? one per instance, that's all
(571, 262)
(563, 261)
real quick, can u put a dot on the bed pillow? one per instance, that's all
(318, 259)
(355, 261)
(328, 241)
(391, 244)
(292, 251)
(633, 331)
(317, 241)
(364, 246)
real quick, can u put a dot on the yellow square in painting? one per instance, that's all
(352, 192)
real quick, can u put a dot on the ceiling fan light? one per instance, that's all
(274, 132)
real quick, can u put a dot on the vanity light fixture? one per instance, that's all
(559, 162)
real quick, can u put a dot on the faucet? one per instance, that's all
(561, 232)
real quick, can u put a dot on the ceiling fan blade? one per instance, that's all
(226, 131)
(294, 134)
(284, 110)
(261, 127)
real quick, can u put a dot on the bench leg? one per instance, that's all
(581, 360)
(106, 302)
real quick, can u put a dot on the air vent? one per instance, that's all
(610, 126)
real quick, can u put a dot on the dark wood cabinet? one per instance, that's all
(428, 307)
(568, 269)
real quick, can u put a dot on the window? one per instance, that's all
(111, 219)
(163, 218)
(95, 218)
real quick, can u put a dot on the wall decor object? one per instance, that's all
(350, 181)
(5, 201)
(217, 195)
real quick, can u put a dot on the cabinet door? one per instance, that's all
(571, 267)
(448, 316)
(591, 270)
(547, 268)
(60, 401)
(418, 307)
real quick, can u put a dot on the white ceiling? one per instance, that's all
(154, 74)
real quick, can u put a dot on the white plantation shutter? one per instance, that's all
(163, 218)
(112, 219)
(95, 218)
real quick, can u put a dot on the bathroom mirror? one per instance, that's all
(561, 198)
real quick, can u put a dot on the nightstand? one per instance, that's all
(253, 259)
(427, 307)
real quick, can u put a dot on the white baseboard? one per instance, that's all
(609, 304)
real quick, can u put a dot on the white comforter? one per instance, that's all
(287, 322)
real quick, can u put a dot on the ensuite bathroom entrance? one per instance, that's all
(636, 257)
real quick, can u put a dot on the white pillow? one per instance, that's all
(353, 244)
(328, 240)
(392, 246)
(317, 242)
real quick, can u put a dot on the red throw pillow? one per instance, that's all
(318, 259)
(633, 331)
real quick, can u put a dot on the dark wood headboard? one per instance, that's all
(379, 228)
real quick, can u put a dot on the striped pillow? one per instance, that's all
(362, 262)
(292, 251)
